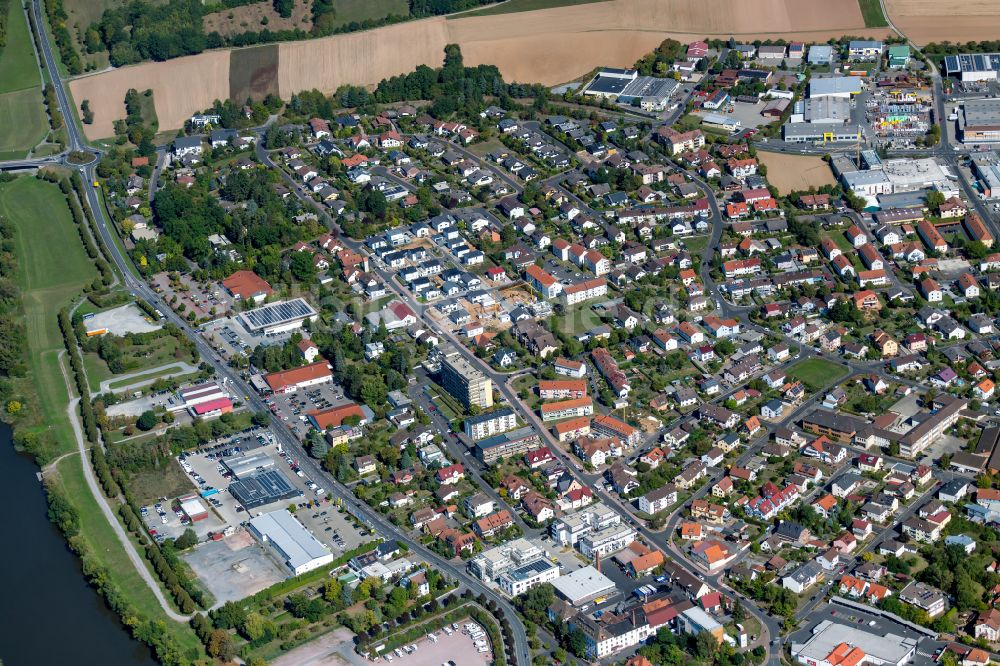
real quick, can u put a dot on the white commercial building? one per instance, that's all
(569, 529)
(583, 585)
(493, 563)
(297, 547)
(823, 647)
(609, 540)
(523, 578)
(196, 395)
(276, 318)
(835, 86)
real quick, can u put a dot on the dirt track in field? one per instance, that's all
(546, 46)
(926, 21)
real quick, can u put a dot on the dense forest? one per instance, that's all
(4, 8)
(13, 343)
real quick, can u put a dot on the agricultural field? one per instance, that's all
(796, 172)
(23, 123)
(523, 6)
(253, 72)
(926, 21)
(548, 45)
(38, 209)
(871, 10)
(816, 373)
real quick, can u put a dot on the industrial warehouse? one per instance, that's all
(262, 488)
(276, 318)
(298, 549)
(627, 87)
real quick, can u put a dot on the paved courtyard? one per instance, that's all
(234, 567)
(121, 320)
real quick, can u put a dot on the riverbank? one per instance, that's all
(42, 221)
(41, 575)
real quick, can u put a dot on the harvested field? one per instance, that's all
(253, 72)
(361, 57)
(250, 18)
(795, 172)
(548, 46)
(926, 21)
(180, 88)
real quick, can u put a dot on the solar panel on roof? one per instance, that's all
(277, 313)
(263, 488)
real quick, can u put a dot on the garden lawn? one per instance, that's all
(816, 373)
(46, 235)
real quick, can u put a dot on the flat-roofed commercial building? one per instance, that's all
(979, 121)
(523, 578)
(244, 467)
(827, 109)
(973, 66)
(465, 382)
(927, 431)
(835, 86)
(879, 649)
(838, 427)
(583, 585)
(507, 445)
(628, 87)
(262, 488)
(195, 395)
(277, 318)
(820, 132)
(294, 544)
(986, 168)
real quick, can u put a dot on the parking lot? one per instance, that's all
(205, 301)
(324, 519)
(292, 407)
(165, 399)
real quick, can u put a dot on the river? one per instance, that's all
(51, 615)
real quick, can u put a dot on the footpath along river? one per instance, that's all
(50, 614)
